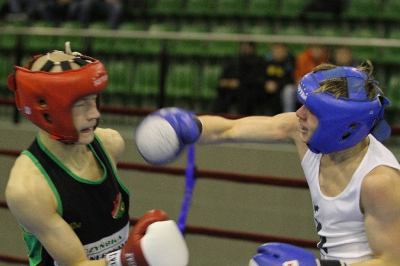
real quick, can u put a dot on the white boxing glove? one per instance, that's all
(154, 241)
(162, 135)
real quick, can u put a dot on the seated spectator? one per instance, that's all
(57, 11)
(306, 61)
(342, 56)
(88, 10)
(241, 80)
(22, 10)
(279, 72)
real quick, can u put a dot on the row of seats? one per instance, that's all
(354, 9)
(142, 79)
(205, 48)
(188, 81)
(129, 79)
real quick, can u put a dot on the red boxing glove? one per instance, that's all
(154, 241)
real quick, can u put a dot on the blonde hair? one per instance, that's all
(338, 86)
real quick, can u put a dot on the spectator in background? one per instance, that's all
(279, 68)
(88, 10)
(306, 61)
(22, 10)
(334, 7)
(57, 11)
(241, 80)
(342, 56)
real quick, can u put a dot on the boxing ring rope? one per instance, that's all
(192, 172)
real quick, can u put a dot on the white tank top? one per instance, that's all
(339, 220)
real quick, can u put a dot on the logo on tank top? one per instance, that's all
(119, 207)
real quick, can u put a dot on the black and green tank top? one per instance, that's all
(98, 211)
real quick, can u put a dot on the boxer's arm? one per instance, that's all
(380, 203)
(113, 143)
(33, 204)
(281, 127)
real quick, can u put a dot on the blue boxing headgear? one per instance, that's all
(342, 122)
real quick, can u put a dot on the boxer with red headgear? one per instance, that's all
(64, 190)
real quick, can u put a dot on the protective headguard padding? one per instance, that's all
(47, 98)
(342, 122)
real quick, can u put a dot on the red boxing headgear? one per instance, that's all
(46, 98)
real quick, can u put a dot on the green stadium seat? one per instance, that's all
(209, 82)
(262, 8)
(146, 80)
(78, 43)
(391, 55)
(329, 31)
(294, 30)
(393, 91)
(99, 44)
(203, 8)
(223, 48)
(154, 46)
(360, 10)
(8, 41)
(260, 29)
(390, 11)
(6, 68)
(166, 8)
(182, 81)
(120, 74)
(363, 53)
(187, 47)
(129, 45)
(291, 9)
(37, 43)
(230, 7)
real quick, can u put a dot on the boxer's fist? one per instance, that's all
(162, 135)
(154, 241)
(280, 254)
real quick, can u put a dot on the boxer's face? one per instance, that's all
(85, 116)
(308, 123)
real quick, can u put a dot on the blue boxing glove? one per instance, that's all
(163, 134)
(280, 254)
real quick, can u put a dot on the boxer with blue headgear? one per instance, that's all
(354, 180)
(343, 122)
